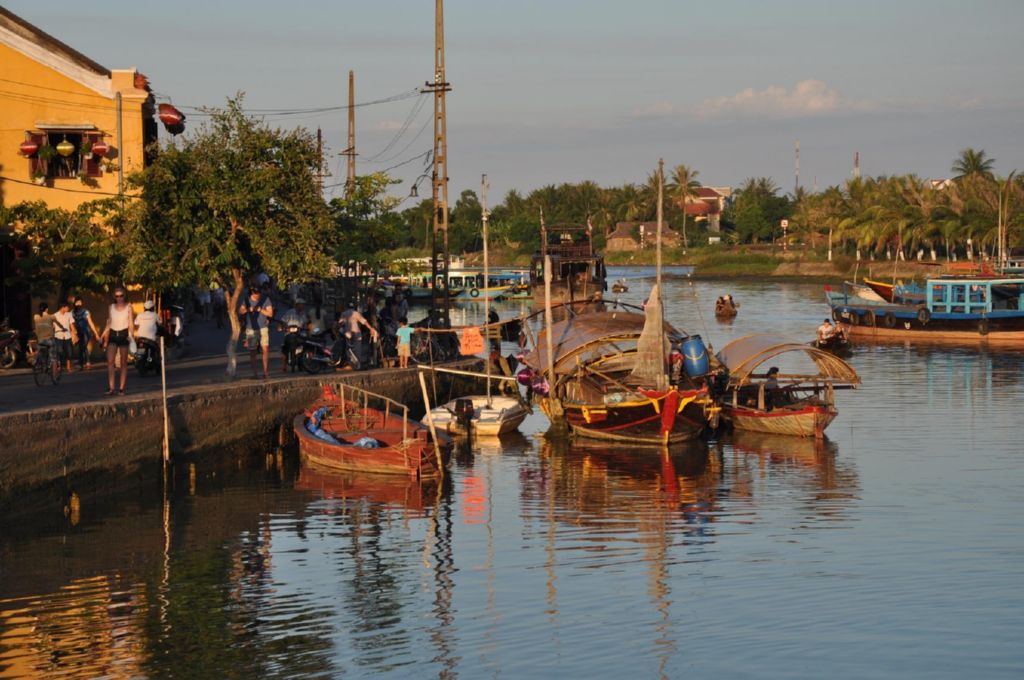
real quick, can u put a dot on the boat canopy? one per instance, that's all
(576, 335)
(743, 355)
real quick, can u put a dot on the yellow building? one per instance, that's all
(51, 94)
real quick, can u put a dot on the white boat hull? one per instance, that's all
(504, 415)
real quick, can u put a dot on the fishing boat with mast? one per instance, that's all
(577, 269)
(483, 415)
(609, 376)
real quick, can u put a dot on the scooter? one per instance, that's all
(10, 346)
(147, 356)
(293, 347)
(321, 352)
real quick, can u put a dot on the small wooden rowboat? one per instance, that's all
(341, 431)
(501, 416)
(796, 402)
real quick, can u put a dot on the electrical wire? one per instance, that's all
(409, 143)
(74, 191)
(413, 112)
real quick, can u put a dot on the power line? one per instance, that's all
(413, 112)
(74, 191)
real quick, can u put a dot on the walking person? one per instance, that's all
(64, 334)
(87, 333)
(257, 312)
(351, 321)
(117, 336)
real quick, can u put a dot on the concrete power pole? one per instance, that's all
(439, 299)
(350, 177)
(856, 164)
(796, 185)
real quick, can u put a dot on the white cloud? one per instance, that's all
(387, 125)
(807, 98)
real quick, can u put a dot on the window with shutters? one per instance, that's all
(79, 163)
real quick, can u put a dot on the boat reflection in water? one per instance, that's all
(392, 491)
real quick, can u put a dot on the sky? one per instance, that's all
(554, 91)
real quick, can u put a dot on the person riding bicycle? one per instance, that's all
(42, 325)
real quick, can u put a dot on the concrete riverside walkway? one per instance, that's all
(203, 364)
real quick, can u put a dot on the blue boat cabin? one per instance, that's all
(958, 296)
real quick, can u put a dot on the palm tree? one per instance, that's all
(682, 186)
(973, 162)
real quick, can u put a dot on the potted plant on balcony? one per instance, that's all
(39, 176)
(86, 149)
(46, 153)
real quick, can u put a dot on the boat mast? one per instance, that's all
(661, 212)
(487, 298)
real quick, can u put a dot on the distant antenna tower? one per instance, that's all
(856, 164)
(796, 184)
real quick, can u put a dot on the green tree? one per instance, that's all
(233, 198)
(682, 186)
(69, 250)
(366, 225)
(971, 162)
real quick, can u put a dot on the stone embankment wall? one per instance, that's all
(116, 438)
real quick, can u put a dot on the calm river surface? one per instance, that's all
(893, 549)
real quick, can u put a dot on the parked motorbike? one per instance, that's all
(321, 352)
(10, 346)
(147, 356)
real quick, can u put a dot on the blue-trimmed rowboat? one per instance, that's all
(960, 309)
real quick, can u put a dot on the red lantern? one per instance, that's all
(29, 147)
(100, 148)
(170, 116)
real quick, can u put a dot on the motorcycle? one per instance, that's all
(147, 356)
(321, 352)
(10, 346)
(293, 346)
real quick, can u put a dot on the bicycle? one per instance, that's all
(46, 364)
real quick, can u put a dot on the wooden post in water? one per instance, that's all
(430, 423)
(163, 388)
(555, 407)
(487, 298)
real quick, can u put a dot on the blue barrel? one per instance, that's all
(695, 357)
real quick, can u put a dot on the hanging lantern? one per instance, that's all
(65, 148)
(172, 118)
(29, 147)
(100, 148)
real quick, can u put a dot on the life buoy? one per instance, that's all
(889, 320)
(869, 318)
(837, 315)
(924, 316)
(474, 292)
(983, 327)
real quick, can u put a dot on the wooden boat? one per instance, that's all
(801, 403)
(726, 308)
(577, 269)
(620, 287)
(501, 416)
(599, 386)
(956, 309)
(837, 344)
(896, 291)
(341, 431)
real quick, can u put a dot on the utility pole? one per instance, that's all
(320, 160)
(350, 177)
(796, 184)
(439, 299)
(856, 164)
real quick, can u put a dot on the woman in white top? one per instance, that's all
(116, 337)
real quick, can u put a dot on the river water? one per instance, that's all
(893, 549)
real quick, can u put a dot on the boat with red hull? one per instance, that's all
(650, 416)
(341, 431)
